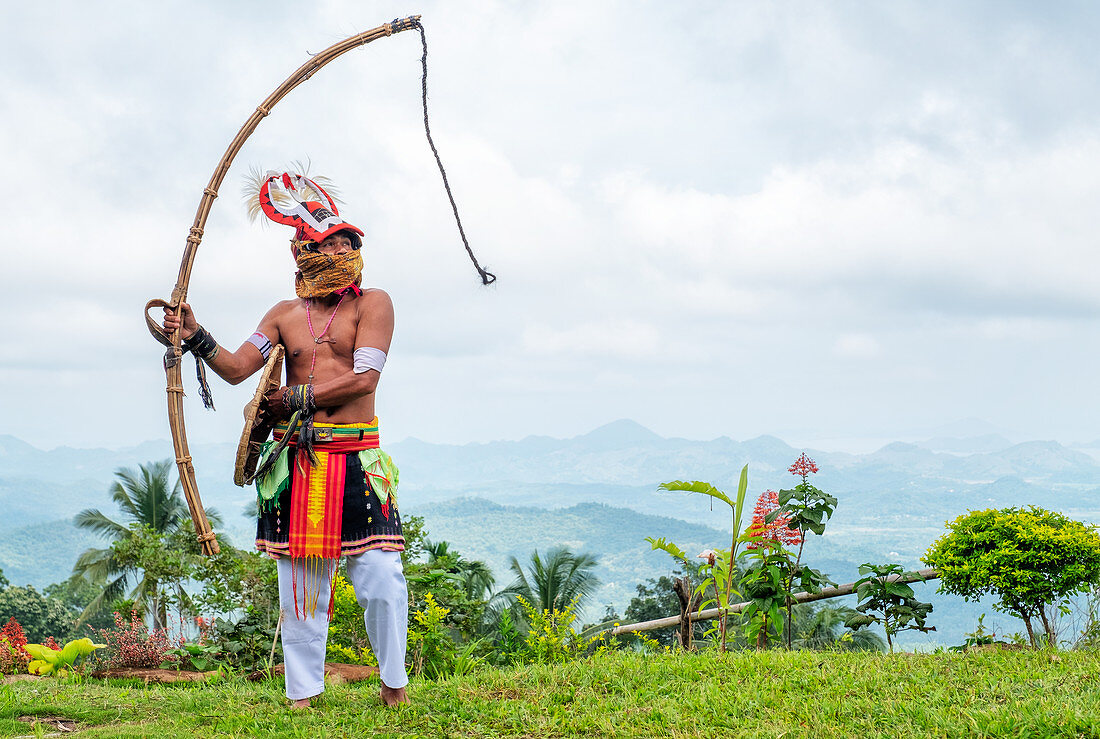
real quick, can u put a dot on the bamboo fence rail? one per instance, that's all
(832, 592)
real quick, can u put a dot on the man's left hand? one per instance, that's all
(273, 405)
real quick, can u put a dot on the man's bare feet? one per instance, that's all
(299, 704)
(393, 696)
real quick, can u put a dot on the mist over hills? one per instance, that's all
(597, 492)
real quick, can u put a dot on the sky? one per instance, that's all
(819, 220)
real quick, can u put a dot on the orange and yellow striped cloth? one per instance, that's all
(317, 490)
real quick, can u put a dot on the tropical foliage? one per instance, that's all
(720, 571)
(149, 546)
(558, 581)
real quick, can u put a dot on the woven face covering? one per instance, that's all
(323, 274)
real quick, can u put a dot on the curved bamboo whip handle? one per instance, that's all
(172, 357)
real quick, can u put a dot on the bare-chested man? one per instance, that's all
(332, 493)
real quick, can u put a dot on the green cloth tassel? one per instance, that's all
(275, 480)
(381, 473)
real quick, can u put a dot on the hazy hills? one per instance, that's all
(596, 492)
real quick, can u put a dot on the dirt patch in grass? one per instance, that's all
(154, 675)
(57, 723)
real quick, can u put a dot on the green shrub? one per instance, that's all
(432, 650)
(1030, 559)
(347, 633)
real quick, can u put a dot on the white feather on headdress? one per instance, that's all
(256, 178)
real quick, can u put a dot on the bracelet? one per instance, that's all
(299, 398)
(201, 344)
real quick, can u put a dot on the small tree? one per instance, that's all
(1030, 559)
(40, 617)
(892, 604)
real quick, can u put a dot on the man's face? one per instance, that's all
(338, 243)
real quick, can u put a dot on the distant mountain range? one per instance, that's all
(596, 492)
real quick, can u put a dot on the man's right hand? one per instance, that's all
(172, 321)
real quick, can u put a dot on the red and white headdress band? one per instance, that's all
(313, 220)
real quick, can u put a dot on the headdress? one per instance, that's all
(298, 201)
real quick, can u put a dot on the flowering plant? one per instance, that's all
(777, 528)
(14, 656)
(805, 508)
(550, 636)
(131, 644)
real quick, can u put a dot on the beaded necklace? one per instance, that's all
(317, 340)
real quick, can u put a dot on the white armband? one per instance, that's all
(369, 358)
(262, 343)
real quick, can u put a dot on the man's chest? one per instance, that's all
(319, 328)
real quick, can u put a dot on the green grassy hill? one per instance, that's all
(742, 694)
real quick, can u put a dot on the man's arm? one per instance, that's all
(233, 367)
(374, 329)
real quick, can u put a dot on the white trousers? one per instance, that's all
(380, 588)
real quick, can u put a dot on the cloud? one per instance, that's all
(856, 346)
(700, 207)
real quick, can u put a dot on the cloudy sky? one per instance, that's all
(821, 220)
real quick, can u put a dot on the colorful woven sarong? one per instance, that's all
(352, 476)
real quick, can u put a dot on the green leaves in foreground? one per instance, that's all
(720, 570)
(49, 661)
(889, 602)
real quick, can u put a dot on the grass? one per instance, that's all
(743, 694)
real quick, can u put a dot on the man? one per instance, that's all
(330, 494)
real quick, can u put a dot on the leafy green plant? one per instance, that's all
(1031, 559)
(347, 634)
(890, 603)
(976, 638)
(246, 643)
(47, 661)
(764, 585)
(190, 656)
(550, 637)
(767, 583)
(431, 648)
(719, 574)
(509, 641)
(805, 508)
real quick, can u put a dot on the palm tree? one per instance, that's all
(473, 576)
(561, 580)
(146, 499)
(476, 579)
(823, 628)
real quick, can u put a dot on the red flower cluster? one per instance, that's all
(803, 467)
(14, 657)
(132, 645)
(206, 629)
(777, 530)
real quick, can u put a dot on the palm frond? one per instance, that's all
(95, 520)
